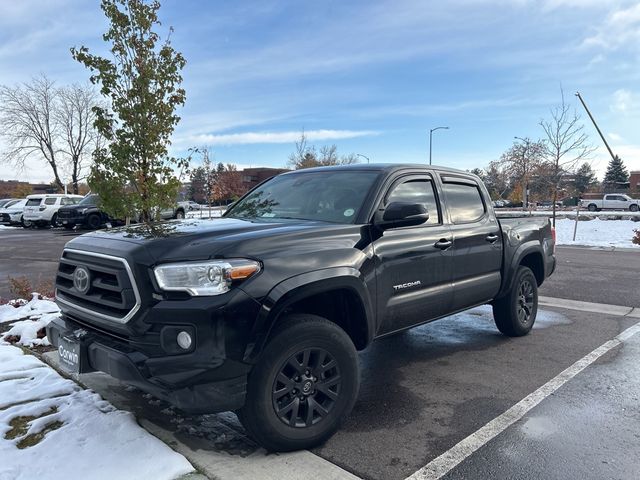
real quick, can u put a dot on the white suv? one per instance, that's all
(42, 210)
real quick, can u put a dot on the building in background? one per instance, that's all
(634, 181)
(253, 176)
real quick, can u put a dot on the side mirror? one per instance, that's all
(403, 214)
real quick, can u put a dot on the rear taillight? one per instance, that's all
(42, 209)
(553, 237)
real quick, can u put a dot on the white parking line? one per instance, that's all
(441, 465)
(587, 306)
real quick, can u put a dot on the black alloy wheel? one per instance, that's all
(302, 386)
(525, 301)
(515, 313)
(307, 387)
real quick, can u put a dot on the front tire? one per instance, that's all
(303, 386)
(515, 313)
(93, 221)
(180, 215)
(54, 220)
(633, 208)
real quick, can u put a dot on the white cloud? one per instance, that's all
(623, 101)
(248, 138)
(620, 29)
(614, 136)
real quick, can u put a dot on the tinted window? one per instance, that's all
(464, 202)
(33, 202)
(50, 201)
(68, 201)
(417, 191)
(89, 200)
(329, 196)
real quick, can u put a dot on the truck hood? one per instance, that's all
(182, 240)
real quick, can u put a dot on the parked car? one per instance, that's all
(6, 201)
(86, 213)
(177, 211)
(262, 311)
(11, 213)
(615, 201)
(42, 210)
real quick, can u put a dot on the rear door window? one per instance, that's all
(464, 202)
(68, 201)
(33, 202)
(50, 201)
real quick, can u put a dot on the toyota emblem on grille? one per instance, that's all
(81, 279)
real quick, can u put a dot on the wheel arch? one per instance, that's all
(529, 255)
(337, 294)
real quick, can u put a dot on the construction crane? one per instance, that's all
(595, 125)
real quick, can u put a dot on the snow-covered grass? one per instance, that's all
(28, 319)
(51, 428)
(597, 233)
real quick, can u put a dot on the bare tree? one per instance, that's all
(522, 160)
(28, 124)
(306, 156)
(40, 121)
(565, 146)
(78, 137)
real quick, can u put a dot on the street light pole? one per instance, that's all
(431, 138)
(363, 156)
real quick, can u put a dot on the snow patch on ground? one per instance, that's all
(28, 319)
(597, 233)
(93, 439)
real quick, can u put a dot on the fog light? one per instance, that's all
(184, 340)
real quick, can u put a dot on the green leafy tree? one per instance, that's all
(133, 172)
(585, 177)
(616, 173)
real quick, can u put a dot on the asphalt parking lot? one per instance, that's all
(426, 390)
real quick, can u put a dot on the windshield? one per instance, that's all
(89, 200)
(323, 196)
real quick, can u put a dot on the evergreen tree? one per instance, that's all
(141, 81)
(616, 173)
(584, 177)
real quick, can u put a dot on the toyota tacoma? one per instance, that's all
(263, 311)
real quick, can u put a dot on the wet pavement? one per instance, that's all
(587, 430)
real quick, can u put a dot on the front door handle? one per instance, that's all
(492, 238)
(443, 244)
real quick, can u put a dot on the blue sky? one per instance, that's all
(370, 76)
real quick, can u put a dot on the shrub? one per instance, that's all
(22, 287)
(636, 238)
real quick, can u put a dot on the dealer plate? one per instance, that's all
(69, 353)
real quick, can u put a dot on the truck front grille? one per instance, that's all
(105, 287)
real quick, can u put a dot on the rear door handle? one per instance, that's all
(443, 244)
(492, 238)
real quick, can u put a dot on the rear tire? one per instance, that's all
(592, 207)
(180, 215)
(303, 385)
(25, 223)
(515, 313)
(54, 220)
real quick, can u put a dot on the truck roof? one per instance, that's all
(380, 167)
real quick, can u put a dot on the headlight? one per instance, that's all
(83, 211)
(212, 277)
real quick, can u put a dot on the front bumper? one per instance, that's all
(182, 381)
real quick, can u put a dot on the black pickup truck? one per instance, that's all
(263, 311)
